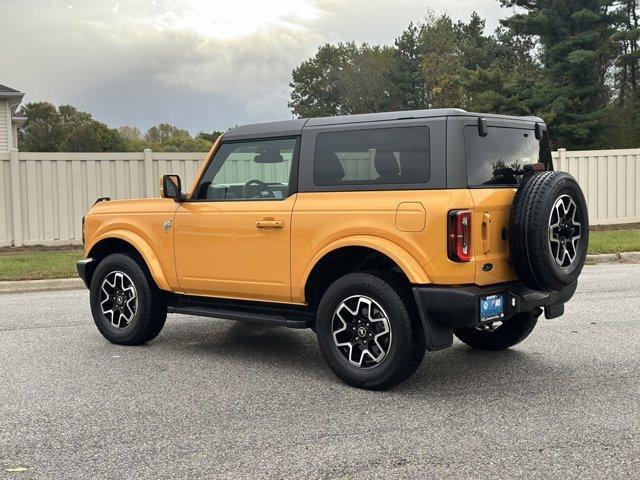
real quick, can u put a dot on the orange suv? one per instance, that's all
(386, 233)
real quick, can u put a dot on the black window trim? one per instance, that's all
(293, 171)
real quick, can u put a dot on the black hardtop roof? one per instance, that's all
(295, 126)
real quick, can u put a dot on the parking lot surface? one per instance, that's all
(218, 399)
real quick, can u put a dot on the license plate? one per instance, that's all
(491, 308)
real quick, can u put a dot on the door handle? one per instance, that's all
(486, 232)
(270, 224)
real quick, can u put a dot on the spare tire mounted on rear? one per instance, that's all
(548, 231)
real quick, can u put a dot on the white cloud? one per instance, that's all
(228, 20)
(200, 64)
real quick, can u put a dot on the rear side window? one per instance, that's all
(493, 160)
(372, 157)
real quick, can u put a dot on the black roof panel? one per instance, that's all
(265, 130)
(294, 127)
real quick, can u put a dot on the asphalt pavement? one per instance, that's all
(219, 399)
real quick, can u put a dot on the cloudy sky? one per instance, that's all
(199, 64)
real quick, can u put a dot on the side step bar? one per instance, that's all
(242, 311)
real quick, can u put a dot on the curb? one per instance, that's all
(24, 286)
(624, 257)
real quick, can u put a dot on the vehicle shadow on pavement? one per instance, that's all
(253, 343)
(456, 370)
(461, 369)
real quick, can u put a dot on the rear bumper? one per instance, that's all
(445, 308)
(85, 270)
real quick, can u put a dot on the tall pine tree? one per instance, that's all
(406, 79)
(576, 50)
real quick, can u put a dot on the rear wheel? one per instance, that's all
(367, 331)
(499, 335)
(127, 307)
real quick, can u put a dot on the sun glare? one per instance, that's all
(231, 19)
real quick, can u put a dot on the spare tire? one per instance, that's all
(548, 231)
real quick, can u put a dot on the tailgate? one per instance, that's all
(489, 230)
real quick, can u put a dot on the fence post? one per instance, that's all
(561, 159)
(148, 173)
(16, 202)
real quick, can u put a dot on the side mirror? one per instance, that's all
(172, 187)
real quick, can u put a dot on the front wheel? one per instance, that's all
(127, 307)
(499, 336)
(367, 331)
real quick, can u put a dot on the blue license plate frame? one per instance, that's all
(492, 308)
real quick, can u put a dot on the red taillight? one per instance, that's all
(459, 235)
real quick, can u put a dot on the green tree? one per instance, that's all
(209, 137)
(93, 137)
(576, 49)
(342, 79)
(363, 82)
(42, 132)
(165, 132)
(405, 76)
(442, 63)
(169, 138)
(71, 118)
(65, 128)
(130, 134)
(513, 83)
(182, 144)
(430, 65)
(316, 89)
(132, 138)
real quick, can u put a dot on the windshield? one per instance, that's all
(495, 160)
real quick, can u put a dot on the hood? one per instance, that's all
(141, 205)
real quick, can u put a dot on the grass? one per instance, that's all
(33, 263)
(614, 241)
(39, 265)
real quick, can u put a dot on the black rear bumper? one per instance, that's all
(445, 308)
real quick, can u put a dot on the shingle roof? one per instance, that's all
(5, 89)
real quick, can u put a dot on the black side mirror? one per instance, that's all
(172, 187)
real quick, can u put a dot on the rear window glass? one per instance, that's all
(372, 157)
(494, 159)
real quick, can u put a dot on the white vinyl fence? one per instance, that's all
(610, 180)
(43, 196)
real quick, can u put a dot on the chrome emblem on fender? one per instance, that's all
(167, 225)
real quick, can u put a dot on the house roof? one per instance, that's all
(4, 88)
(6, 92)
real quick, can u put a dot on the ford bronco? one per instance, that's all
(386, 233)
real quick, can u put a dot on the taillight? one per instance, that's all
(459, 235)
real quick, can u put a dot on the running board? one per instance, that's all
(242, 311)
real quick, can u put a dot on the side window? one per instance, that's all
(372, 157)
(251, 170)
